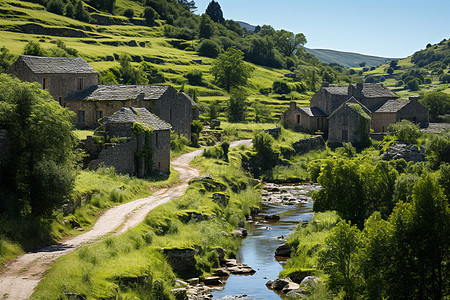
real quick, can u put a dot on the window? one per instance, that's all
(344, 135)
(80, 84)
(298, 118)
(60, 100)
(45, 83)
(170, 114)
(156, 140)
(99, 115)
(81, 117)
(318, 123)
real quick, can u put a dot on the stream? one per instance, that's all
(294, 206)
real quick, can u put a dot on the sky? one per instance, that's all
(387, 28)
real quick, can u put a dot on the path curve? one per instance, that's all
(19, 277)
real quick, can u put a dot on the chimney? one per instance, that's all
(325, 84)
(292, 105)
(413, 98)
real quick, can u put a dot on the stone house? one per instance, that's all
(136, 155)
(350, 122)
(308, 119)
(74, 84)
(383, 105)
(393, 111)
(58, 75)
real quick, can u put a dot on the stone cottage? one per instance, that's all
(350, 122)
(74, 84)
(58, 75)
(393, 111)
(135, 155)
(383, 105)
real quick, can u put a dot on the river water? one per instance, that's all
(258, 248)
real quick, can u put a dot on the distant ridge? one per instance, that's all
(347, 59)
(246, 26)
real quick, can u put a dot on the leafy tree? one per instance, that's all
(393, 64)
(406, 131)
(413, 85)
(438, 103)
(339, 259)
(39, 173)
(213, 110)
(130, 74)
(363, 64)
(262, 113)
(262, 52)
(265, 153)
(281, 87)
(194, 77)
(150, 15)
(106, 5)
(209, 48)
(81, 13)
(207, 27)
(35, 49)
(108, 78)
(69, 10)
(438, 150)
(196, 129)
(237, 106)
(230, 70)
(6, 59)
(312, 81)
(287, 42)
(214, 11)
(55, 6)
(129, 13)
(189, 4)
(390, 71)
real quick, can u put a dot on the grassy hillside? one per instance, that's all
(347, 59)
(173, 57)
(429, 67)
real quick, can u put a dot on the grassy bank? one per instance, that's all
(132, 264)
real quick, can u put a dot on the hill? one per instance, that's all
(347, 59)
(247, 26)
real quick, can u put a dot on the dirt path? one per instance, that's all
(20, 276)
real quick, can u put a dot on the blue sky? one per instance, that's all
(389, 28)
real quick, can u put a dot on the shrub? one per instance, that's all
(281, 87)
(209, 48)
(129, 13)
(194, 77)
(413, 85)
(69, 10)
(35, 49)
(150, 15)
(406, 131)
(55, 6)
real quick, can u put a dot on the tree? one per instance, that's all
(209, 48)
(129, 13)
(237, 106)
(413, 85)
(438, 103)
(150, 15)
(55, 6)
(196, 129)
(6, 59)
(339, 259)
(81, 13)
(406, 131)
(130, 74)
(206, 27)
(35, 49)
(194, 77)
(390, 71)
(287, 42)
(215, 12)
(393, 64)
(39, 175)
(69, 10)
(230, 70)
(106, 5)
(363, 64)
(189, 4)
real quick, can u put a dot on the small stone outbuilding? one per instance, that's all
(309, 119)
(137, 155)
(393, 111)
(350, 122)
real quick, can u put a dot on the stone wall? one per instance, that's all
(176, 109)
(344, 126)
(161, 150)
(274, 132)
(306, 145)
(414, 112)
(381, 120)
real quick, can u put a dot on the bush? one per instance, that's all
(406, 131)
(194, 77)
(129, 13)
(69, 10)
(35, 49)
(413, 85)
(150, 15)
(281, 87)
(55, 6)
(209, 48)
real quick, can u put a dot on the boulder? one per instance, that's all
(230, 262)
(290, 287)
(212, 280)
(283, 250)
(182, 260)
(279, 283)
(241, 232)
(193, 281)
(298, 293)
(241, 270)
(220, 253)
(404, 150)
(305, 145)
(272, 217)
(309, 281)
(221, 272)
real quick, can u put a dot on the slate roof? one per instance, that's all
(57, 65)
(349, 101)
(141, 115)
(120, 92)
(375, 90)
(392, 106)
(313, 111)
(336, 90)
(190, 99)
